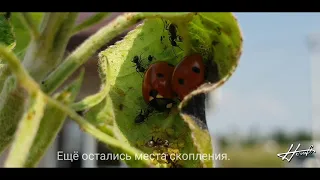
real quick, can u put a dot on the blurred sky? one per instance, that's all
(271, 89)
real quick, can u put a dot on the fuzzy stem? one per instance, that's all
(15, 67)
(27, 131)
(31, 86)
(97, 40)
(92, 20)
(89, 128)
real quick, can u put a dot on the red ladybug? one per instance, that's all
(188, 75)
(156, 87)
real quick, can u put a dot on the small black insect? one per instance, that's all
(161, 39)
(157, 143)
(138, 64)
(143, 115)
(80, 113)
(214, 42)
(120, 107)
(150, 58)
(173, 35)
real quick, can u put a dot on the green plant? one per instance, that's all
(33, 67)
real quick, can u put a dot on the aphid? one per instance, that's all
(150, 58)
(120, 107)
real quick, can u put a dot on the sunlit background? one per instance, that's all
(264, 107)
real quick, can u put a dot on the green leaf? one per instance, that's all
(6, 33)
(217, 37)
(27, 130)
(52, 122)
(21, 32)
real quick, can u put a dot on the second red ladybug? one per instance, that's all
(188, 75)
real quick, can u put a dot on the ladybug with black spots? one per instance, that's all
(156, 86)
(188, 75)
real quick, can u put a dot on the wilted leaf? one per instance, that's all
(216, 36)
(52, 122)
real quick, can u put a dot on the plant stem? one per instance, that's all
(61, 39)
(96, 41)
(92, 20)
(15, 67)
(87, 127)
(55, 33)
(31, 86)
(27, 20)
(35, 59)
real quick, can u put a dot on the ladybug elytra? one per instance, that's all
(188, 75)
(156, 87)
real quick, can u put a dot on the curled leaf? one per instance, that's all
(216, 36)
(126, 95)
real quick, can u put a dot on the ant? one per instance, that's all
(173, 36)
(143, 115)
(158, 142)
(138, 63)
(137, 60)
